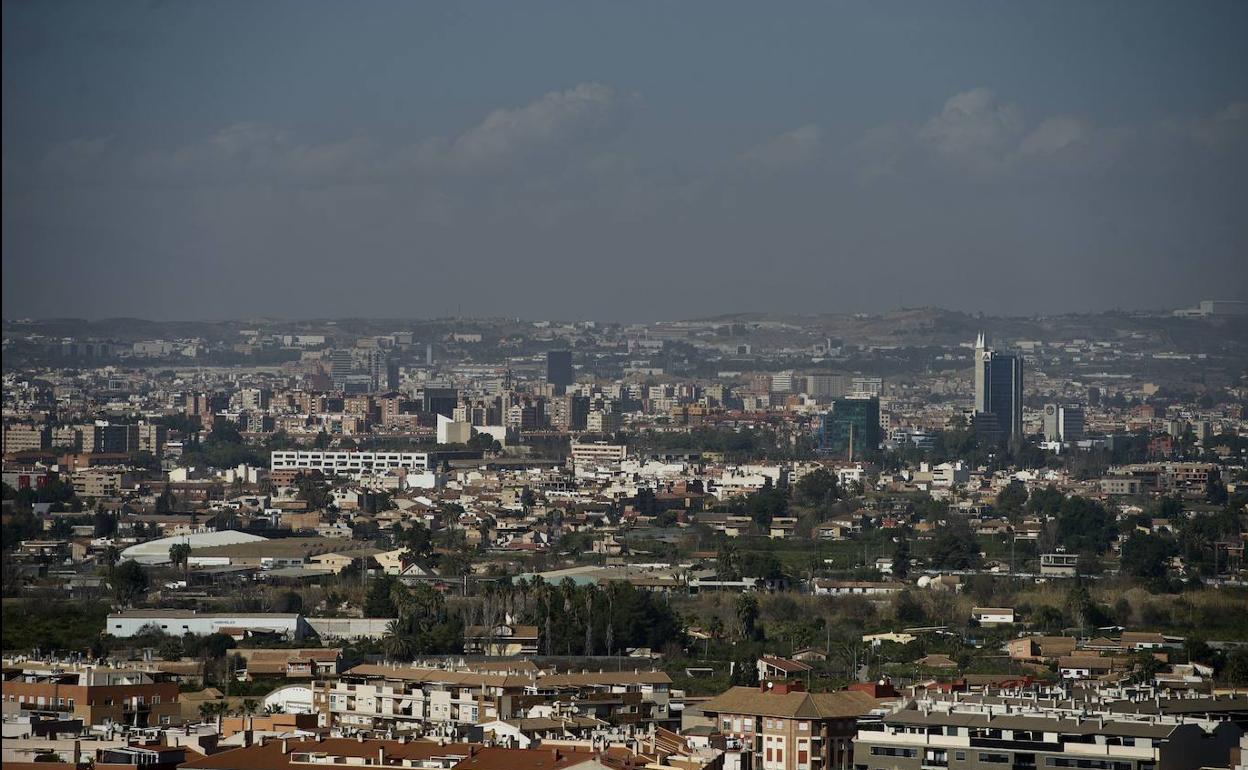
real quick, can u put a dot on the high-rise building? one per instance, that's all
(998, 393)
(341, 364)
(559, 369)
(1063, 422)
(851, 428)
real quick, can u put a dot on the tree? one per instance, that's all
(728, 561)
(1012, 498)
(955, 547)
(105, 523)
(379, 603)
(110, 556)
(1085, 526)
(1145, 556)
(314, 490)
(819, 487)
(166, 501)
(129, 582)
(901, 557)
(747, 614)
(180, 555)
(908, 609)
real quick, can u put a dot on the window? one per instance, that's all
(889, 751)
(1000, 759)
(960, 756)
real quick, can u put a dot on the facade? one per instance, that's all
(101, 482)
(1063, 422)
(179, 622)
(559, 369)
(998, 393)
(1059, 564)
(21, 437)
(780, 726)
(913, 739)
(500, 640)
(590, 454)
(852, 427)
(374, 697)
(347, 463)
(97, 696)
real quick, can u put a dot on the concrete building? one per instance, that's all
(179, 622)
(346, 463)
(96, 695)
(916, 738)
(559, 370)
(780, 726)
(1063, 422)
(24, 437)
(597, 453)
(998, 393)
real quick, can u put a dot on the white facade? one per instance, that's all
(598, 453)
(295, 699)
(452, 432)
(179, 622)
(347, 463)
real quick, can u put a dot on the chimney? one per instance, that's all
(554, 754)
(283, 746)
(381, 755)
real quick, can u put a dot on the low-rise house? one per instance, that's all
(781, 668)
(992, 616)
(503, 639)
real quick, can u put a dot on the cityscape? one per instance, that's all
(388, 427)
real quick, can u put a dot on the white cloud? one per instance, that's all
(1221, 130)
(975, 129)
(556, 122)
(1054, 135)
(795, 148)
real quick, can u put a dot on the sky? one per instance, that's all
(620, 161)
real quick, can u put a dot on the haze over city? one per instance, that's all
(620, 161)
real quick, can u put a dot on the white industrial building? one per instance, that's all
(179, 622)
(157, 551)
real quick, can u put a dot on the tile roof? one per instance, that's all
(812, 705)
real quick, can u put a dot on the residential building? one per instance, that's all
(346, 463)
(965, 739)
(783, 727)
(96, 695)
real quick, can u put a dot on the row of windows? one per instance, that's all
(890, 751)
(1091, 764)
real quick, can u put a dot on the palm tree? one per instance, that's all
(398, 642)
(180, 554)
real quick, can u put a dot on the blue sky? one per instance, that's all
(621, 160)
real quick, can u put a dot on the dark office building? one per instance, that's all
(440, 401)
(998, 394)
(852, 428)
(559, 369)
